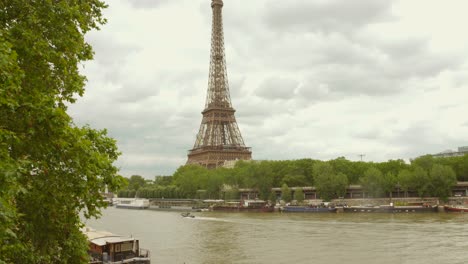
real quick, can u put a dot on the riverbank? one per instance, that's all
(201, 205)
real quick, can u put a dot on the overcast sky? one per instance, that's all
(309, 78)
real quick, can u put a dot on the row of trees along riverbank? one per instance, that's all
(426, 175)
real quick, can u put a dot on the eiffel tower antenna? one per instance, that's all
(219, 138)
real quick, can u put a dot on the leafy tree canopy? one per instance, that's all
(136, 182)
(329, 184)
(50, 169)
(286, 193)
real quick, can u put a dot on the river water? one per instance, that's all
(344, 238)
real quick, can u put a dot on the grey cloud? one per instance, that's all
(108, 50)
(277, 88)
(448, 106)
(325, 16)
(337, 82)
(422, 138)
(148, 3)
(236, 84)
(310, 93)
(367, 134)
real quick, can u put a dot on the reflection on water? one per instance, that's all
(293, 238)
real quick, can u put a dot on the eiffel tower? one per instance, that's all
(219, 138)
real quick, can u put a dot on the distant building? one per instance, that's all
(450, 153)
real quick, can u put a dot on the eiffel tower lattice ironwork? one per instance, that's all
(219, 138)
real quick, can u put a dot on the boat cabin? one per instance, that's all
(253, 203)
(105, 247)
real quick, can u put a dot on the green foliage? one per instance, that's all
(136, 182)
(50, 170)
(286, 193)
(191, 178)
(331, 178)
(261, 180)
(124, 182)
(299, 195)
(231, 194)
(163, 180)
(329, 184)
(419, 181)
(295, 180)
(392, 167)
(154, 191)
(389, 183)
(404, 179)
(273, 198)
(425, 162)
(442, 178)
(375, 183)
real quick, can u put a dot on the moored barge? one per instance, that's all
(244, 206)
(391, 209)
(307, 209)
(108, 248)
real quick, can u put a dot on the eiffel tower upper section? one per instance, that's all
(219, 138)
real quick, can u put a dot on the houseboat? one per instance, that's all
(108, 248)
(391, 209)
(244, 206)
(415, 209)
(307, 209)
(132, 203)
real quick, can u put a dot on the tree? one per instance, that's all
(329, 185)
(190, 179)
(286, 193)
(163, 180)
(299, 195)
(442, 179)
(231, 193)
(261, 179)
(419, 181)
(388, 183)
(377, 184)
(214, 183)
(295, 180)
(10, 76)
(124, 182)
(136, 182)
(391, 166)
(425, 162)
(273, 198)
(373, 182)
(404, 180)
(50, 169)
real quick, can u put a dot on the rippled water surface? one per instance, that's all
(437, 238)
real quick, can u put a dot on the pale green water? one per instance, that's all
(438, 238)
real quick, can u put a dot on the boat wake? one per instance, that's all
(202, 218)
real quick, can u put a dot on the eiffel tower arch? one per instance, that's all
(219, 138)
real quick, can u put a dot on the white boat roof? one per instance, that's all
(102, 238)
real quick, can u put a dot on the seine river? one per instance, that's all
(439, 238)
